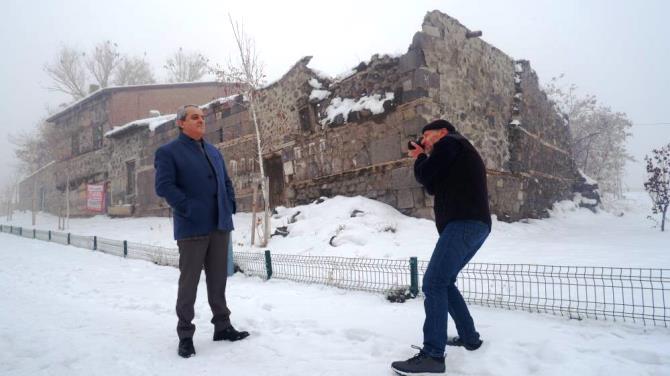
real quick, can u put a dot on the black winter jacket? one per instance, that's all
(455, 174)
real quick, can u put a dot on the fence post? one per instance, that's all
(268, 263)
(95, 243)
(20, 231)
(49, 235)
(34, 234)
(68, 238)
(414, 276)
(125, 248)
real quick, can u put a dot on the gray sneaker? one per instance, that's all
(419, 364)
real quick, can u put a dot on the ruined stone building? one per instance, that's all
(348, 135)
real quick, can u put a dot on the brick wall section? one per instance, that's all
(126, 106)
(79, 125)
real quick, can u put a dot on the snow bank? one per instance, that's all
(570, 236)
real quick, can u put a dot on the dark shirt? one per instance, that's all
(456, 175)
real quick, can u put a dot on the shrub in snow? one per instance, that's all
(399, 295)
(658, 184)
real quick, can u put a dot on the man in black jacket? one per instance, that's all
(450, 168)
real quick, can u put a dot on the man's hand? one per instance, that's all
(414, 153)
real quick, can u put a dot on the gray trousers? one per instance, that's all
(210, 251)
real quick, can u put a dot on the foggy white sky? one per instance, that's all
(617, 50)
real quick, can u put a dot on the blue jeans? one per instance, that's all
(457, 244)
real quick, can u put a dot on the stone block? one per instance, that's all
(402, 178)
(412, 60)
(429, 201)
(432, 31)
(426, 79)
(405, 199)
(410, 95)
(385, 149)
(419, 195)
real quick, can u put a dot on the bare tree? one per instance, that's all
(598, 136)
(133, 71)
(186, 67)
(36, 148)
(102, 62)
(658, 184)
(249, 71)
(68, 73)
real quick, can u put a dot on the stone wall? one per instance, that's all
(125, 150)
(89, 168)
(474, 87)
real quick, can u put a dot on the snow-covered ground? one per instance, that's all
(69, 311)
(571, 236)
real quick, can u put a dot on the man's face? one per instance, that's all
(431, 137)
(194, 124)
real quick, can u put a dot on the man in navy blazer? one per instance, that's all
(191, 176)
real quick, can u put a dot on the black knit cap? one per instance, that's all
(439, 124)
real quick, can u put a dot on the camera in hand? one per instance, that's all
(419, 142)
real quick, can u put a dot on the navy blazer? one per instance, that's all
(201, 200)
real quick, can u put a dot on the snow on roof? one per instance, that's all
(37, 171)
(223, 100)
(339, 106)
(156, 121)
(350, 72)
(313, 82)
(112, 88)
(152, 123)
(319, 94)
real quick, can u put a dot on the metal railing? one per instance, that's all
(627, 294)
(640, 295)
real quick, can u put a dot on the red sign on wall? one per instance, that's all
(95, 197)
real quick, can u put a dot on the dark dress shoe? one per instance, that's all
(186, 349)
(230, 334)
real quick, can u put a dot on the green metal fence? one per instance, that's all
(640, 295)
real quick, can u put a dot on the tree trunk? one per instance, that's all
(665, 211)
(253, 214)
(264, 187)
(67, 201)
(34, 203)
(266, 222)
